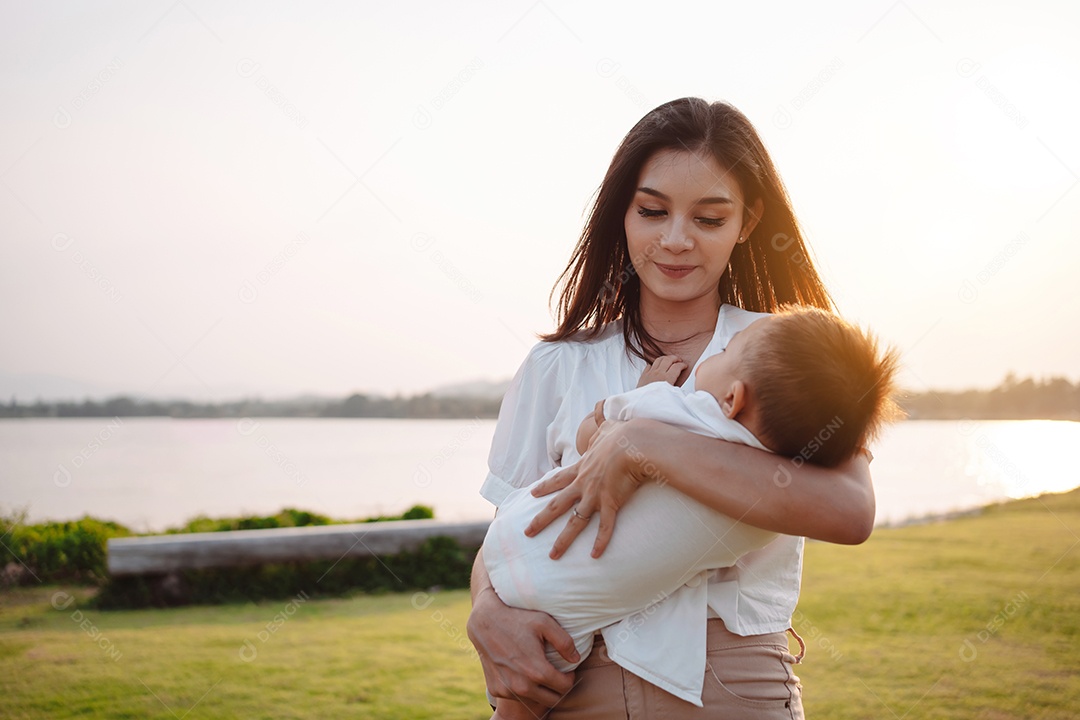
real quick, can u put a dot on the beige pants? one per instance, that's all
(745, 677)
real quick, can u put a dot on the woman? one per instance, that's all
(691, 215)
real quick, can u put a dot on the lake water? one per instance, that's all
(153, 473)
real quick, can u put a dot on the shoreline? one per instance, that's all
(907, 521)
(929, 518)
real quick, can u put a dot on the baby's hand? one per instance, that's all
(665, 368)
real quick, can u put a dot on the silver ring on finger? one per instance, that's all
(578, 515)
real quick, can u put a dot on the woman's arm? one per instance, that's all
(759, 488)
(510, 643)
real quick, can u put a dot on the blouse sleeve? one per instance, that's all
(521, 448)
(624, 406)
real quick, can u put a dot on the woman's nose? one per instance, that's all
(676, 236)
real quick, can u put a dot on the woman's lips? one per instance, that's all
(675, 271)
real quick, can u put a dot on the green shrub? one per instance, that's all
(289, 517)
(72, 551)
(416, 512)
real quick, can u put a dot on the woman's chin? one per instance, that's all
(679, 292)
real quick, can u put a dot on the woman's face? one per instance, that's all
(683, 222)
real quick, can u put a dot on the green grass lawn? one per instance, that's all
(977, 617)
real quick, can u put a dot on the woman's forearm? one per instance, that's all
(759, 488)
(479, 580)
(511, 642)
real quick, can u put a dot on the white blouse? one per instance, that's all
(556, 387)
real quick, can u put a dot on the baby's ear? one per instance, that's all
(735, 400)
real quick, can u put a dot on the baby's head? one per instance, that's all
(807, 383)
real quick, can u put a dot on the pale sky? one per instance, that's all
(213, 200)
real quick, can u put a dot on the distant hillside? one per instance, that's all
(1055, 399)
(357, 405)
(1052, 399)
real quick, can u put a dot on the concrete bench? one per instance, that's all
(167, 553)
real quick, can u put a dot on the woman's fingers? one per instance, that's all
(545, 684)
(555, 509)
(502, 684)
(542, 682)
(578, 521)
(559, 639)
(607, 527)
(599, 482)
(556, 482)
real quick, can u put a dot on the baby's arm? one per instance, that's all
(666, 368)
(588, 428)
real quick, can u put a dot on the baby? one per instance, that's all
(801, 383)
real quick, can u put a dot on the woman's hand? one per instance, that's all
(510, 643)
(603, 480)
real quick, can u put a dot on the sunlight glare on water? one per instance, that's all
(935, 467)
(1022, 458)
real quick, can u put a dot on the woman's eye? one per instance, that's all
(649, 213)
(712, 222)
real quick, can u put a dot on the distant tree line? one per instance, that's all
(1055, 399)
(354, 406)
(1051, 399)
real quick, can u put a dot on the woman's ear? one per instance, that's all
(751, 217)
(735, 400)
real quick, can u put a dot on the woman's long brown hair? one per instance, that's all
(770, 269)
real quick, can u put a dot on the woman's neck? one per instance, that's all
(678, 322)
